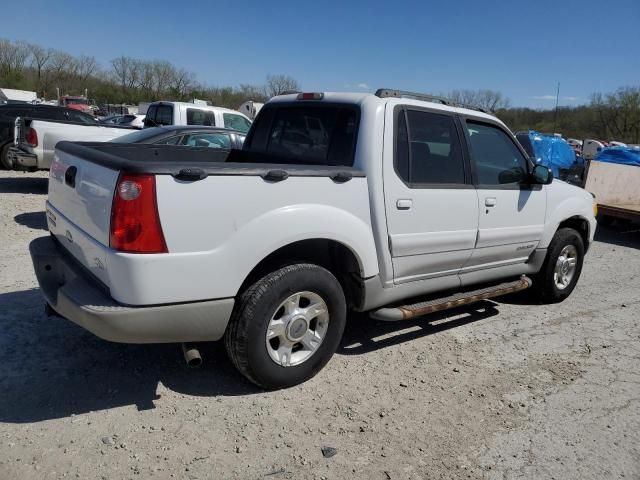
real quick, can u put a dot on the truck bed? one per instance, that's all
(172, 160)
(219, 219)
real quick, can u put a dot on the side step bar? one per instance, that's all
(407, 312)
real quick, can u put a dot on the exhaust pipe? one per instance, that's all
(191, 355)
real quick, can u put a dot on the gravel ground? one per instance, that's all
(499, 391)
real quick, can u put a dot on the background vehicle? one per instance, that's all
(181, 113)
(134, 121)
(250, 108)
(591, 148)
(13, 96)
(35, 140)
(613, 178)
(78, 102)
(9, 113)
(398, 204)
(554, 152)
(109, 109)
(191, 136)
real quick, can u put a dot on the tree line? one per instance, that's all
(26, 66)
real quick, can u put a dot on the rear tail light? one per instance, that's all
(135, 223)
(31, 137)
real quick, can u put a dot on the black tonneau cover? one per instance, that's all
(184, 162)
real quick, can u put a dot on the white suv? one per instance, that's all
(394, 204)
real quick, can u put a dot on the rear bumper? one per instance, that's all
(22, 160)
(75, 295)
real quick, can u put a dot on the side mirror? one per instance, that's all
(542, 175)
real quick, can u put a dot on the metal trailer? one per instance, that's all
(615, 187)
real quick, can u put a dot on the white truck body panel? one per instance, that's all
(257, 218)
(50, 133)
(566, 201)
(90, 200)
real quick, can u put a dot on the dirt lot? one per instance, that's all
(503, 390)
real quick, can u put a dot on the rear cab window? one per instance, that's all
(160, 114)
(428, 149)
(196, 116)
(307, 134)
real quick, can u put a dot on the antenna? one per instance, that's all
(555, 115)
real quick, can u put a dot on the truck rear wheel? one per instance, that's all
(286, 326)
(561, 268)
(5, 163)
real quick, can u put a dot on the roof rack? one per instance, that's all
(388, 92)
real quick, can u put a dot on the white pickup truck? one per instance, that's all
(35, 140)
(395, 204)
(183, 113)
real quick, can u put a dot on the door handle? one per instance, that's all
(404, 204)
(490, 202)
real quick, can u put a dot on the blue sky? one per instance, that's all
(519, 48)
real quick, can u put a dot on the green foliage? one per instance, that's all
(614, 116)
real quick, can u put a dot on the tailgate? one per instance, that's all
(80, 196)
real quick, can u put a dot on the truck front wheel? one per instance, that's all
(286, 326)
(561, 268)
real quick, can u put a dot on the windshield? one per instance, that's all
(236, 122)
(75, 101)
(311, 134)
(140, 136)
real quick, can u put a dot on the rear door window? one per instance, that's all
(428, 149)
(209, 140)
(200, 117)
(80, 117)
(307, 134)
(169, 141)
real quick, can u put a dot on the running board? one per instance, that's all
(407, 312)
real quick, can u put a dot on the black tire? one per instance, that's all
(4, 159)
(245, 338)
(544, 285)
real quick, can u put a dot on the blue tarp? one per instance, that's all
(624, 155)
(553, 152)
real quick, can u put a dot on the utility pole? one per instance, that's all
(555, 115)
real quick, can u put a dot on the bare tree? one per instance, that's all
(490, 100)
(13, 60)
(181, 82)
(86, 67)
(126, 71)
(39, 58)
(278, 84)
